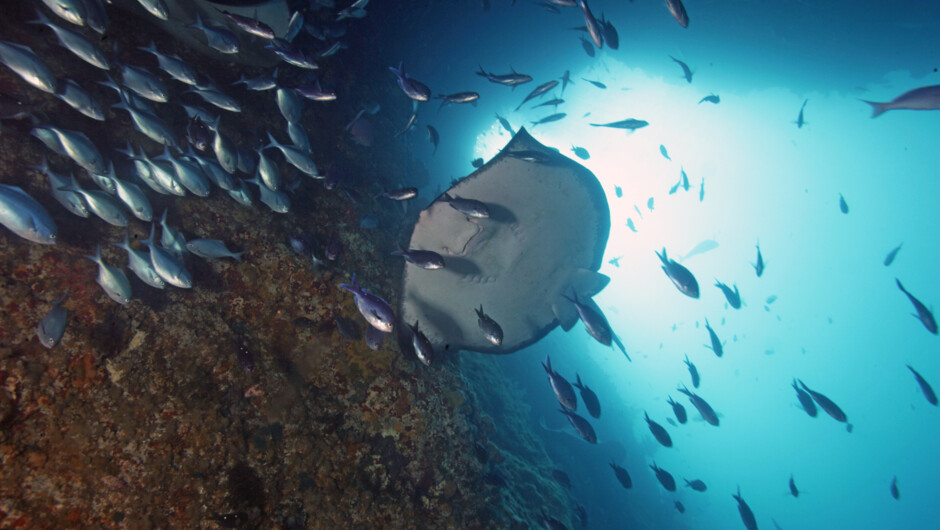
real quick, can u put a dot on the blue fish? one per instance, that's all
(376, 311)
(412, 88)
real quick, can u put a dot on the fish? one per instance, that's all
(611, 37)
(149, 124)
(580, 152)
(294, 156)
(139, 263)
(622, 476)
(704, 409)
(793, 489)
(409, 125)
(591, 403)
(806, 401)
(269, 172)
(800, 122)
(188, 174)
(664, 477)
(565, 81)
(747, 516)
(628, 124)
(598, 84)
(25, 217)
(168, 266)
(505, 124)
(630, 224)
(701, 191)
(198, 134)
(561, 478)
(685, 179)
(533, 156)
(173, 66)
(332, 250)
(276, 200)
(217, 37)
(433, 137)
(686, 71)
(74, 11)
(693, 372)
(425, 259)
(594, 321)
(662, 151)
(581, 425)
(593, 28)
(22, 60)
(681, 277)
(732, 296)
(889, 259)
(771, 299)
(923, 98)
(52, 326)
(539, 91)
(587, 46)
(552, 102)
(469, 207)
(103, 205)
(376, 311)
(316, 92)
(422, 346)
(843, 206)
(924, 387)
(143, 83)
(615, 261)
(673, 189)
(649, 203)
(678, 12)
(134, 198)
(72, 201)
(618, 191)
(459, 97)
(252, 26)
(512, 79)
(81, 46)
(265, 82)
(895, 492)
(77, 146)
(170, 238)
(374, 338)
(678, 410)
(400, 194)
(825, 403)
(759, 266)
(112, 279)
(712, 98)
(548, 119)
(157, 8)
(923, 314)
(716, 344)
(491, 329)
(290, 104)
(412, 88)
(696, 485)
(660, 434)
(212, 249)
(561, 387)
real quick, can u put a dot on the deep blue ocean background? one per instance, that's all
(838, 321)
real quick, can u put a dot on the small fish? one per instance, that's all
(889, 259)
(143, 83)
(894, 489)
(561, 387)
(491, 329)
(924, 387)
(704, 409)
(422, 346)
(680, 276)
(103, 205)
(511, 80)
(630, 224)
(712, 98)
(615, 261)
(332, 249)
(25, 217)
(686, 71)
(696, 485)
(170, 238)
(290, 104)
(679, 506)
(678, 410)
(806, 401)
(662, 151)
(716, 344)
(598, 84)
(843, 206)
(923, 314)
(628, 124)
(173, 66)
(198, 134)
(409, 125)
(594, 321)
(793, 489)
(701, 191)
(678, 12)
(685, 179)
(412, 88)
(252, 26)
(459, 97)
(581, 425)
(826, 404)
(276, 200)
(167, 265)
(469, 207)
(374, 338)
(580, 152)
(611, 37)
(217, 37)
(923, 98)
(400, 194)
(294, 156)
(425, 259)
(316, 93)
(565, 81)
(52, 326)
(78, 44)
(591, 403)
(759, 266)
(552, 102)
(732, 296)
(548, 119)
(649, 203)
(112, 279)
(433, 137)
(157, 8)
(376, 311)
(133, 197)
(618, 191)
(659, 433)
(212, 249)
(539, 91)
(73, 11)
(22, 60)
(622, 476)
(562, 478)
(800, 122)
(77, 146)
(593, 28)
(139, 263)
(477, 163)
(505, 124)
(587, 46)
(664, 477)
(693, 371)
(747, 516)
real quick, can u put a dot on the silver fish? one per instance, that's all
(174, 66)
(422, 346)
(112, 279)
(217, 37)
(225, 152)
(240, 193)
(171, 239)
(189, 175)
(28, 65)
(376, 311)
(79, 99)
(149, 124)
(143, 83)
(213, 171)
(69, 10)
(268, 171)
(72, 201)
(25, 217)
(167, 265)
(211, 249)
(156, 8)
(290, 103)
(103, 205)
(258, 84)
(469, 207)
(277, 201)
(217, 98)
(81, 46)
(294, 156)
(133, 197)
(491, 329)
(139, 263)
(425, 259)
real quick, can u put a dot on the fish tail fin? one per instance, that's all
(272, 142)
(877, 109)
(43, 19)
(238, 256)
(198, 24)
(97, 257)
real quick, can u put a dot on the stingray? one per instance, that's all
(545, 235)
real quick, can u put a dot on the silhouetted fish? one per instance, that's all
(805, 400)
(591, 403)
(759, 266)
(680, 276)
(733, 297)
(696, 484)
(894, 489)
(678, 12)
(680, 507)
(622, 476)
(923, 314)
(800, 122)
(561, 387)
(889, 259)
(793, 489)
(693, 372)
(843, 206)
(923, 98)
(678, 410)
(924, 387)
(686, 71)
(716, 343)
(826, 404)
(747, 516)
(664, 477)
(704, 409)
(581, 425)
(659, 432)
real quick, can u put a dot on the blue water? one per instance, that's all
(839, 322)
